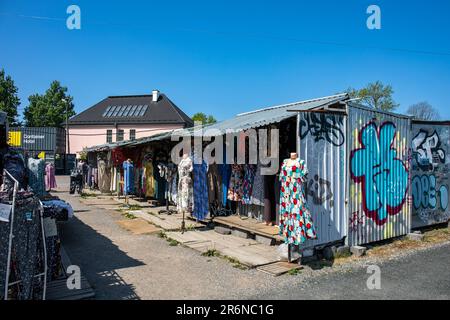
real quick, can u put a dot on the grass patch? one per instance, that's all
(293, 272)
(211, 253)
(172, 242)
(129, 215)
(86, 195)
(162, 235)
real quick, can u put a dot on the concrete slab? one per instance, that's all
(138, 226)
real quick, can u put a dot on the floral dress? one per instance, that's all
(185, 196)
(235, 189)
(296, 225)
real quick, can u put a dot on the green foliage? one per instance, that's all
(9, 100)
(203, 118)
(376, 96)
(49, 110)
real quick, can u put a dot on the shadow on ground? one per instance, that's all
(98, 258)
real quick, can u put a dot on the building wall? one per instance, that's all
(82, 136)
(322, 146)
(379, 165)
(430, 184)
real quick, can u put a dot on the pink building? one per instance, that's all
(118, 118)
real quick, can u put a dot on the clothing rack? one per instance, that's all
(11, 237)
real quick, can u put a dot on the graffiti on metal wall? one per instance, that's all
(430, 182)
(320, 190)
(323, 127)
(383, 176)
(428, 153)
(322, 146)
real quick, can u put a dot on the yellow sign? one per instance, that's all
(15, 138)
(41, 155)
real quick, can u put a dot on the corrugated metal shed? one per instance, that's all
(322, 145)
(379, 175)
(430, 183)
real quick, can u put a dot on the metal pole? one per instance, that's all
(67, 127)
(11, 236)
(41, 216)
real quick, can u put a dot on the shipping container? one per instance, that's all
(41, 139)
(322, 144)
(379, 199)
(430, 183)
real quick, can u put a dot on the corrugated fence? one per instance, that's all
(379, 175)
(430, 172)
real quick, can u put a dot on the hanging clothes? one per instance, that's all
(104, 178)
(128, 180)
(247, 185)
(185, 197)
(214, 184)
(296, 225)
(235, 189)
(149, 179)
(36, 170)
(257, 197)
(50, 179)
(201, 203)
(225, 174)
(160, 189)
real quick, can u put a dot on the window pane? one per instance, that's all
(132, 110)
(143, 111)
(119, 135)
(116, 111)
(132, 134)
(111, 111)
(108, 136)
(106, 111)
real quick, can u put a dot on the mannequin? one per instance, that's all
(296, 225)
(185, 187)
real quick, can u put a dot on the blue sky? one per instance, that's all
(226, 57)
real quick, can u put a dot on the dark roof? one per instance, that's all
(133, 109)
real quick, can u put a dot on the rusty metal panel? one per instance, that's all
(379, 175)
(430, 183)
(322, 144)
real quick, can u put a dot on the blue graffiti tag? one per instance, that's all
(384, 177)
(425, 193)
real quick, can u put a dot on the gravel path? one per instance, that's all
(120, 265)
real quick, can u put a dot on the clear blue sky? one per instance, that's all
(226, 57)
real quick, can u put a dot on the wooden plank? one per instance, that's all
(279, 268)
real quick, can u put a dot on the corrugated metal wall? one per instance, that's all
(379, 175)
(430, 183)
(323, 146)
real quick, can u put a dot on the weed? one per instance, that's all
(172, 242)
(293, 272)
(211, 253)
(162, 235)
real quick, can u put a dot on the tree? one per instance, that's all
(9, 100)
(49, 110)
(376, 96)
(203, 118)
(424, 111)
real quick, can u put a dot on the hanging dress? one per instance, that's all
(235, 189)
(50, 180)
(257, 197)
(200, 191)
(247, 185)
(184, 197)
(128, 179)
(296, 225)
(149, 180)
(36, 169)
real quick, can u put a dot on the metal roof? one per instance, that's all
(240, 122)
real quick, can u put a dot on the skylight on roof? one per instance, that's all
(125, 111)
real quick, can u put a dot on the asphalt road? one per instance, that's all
(120, 265)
